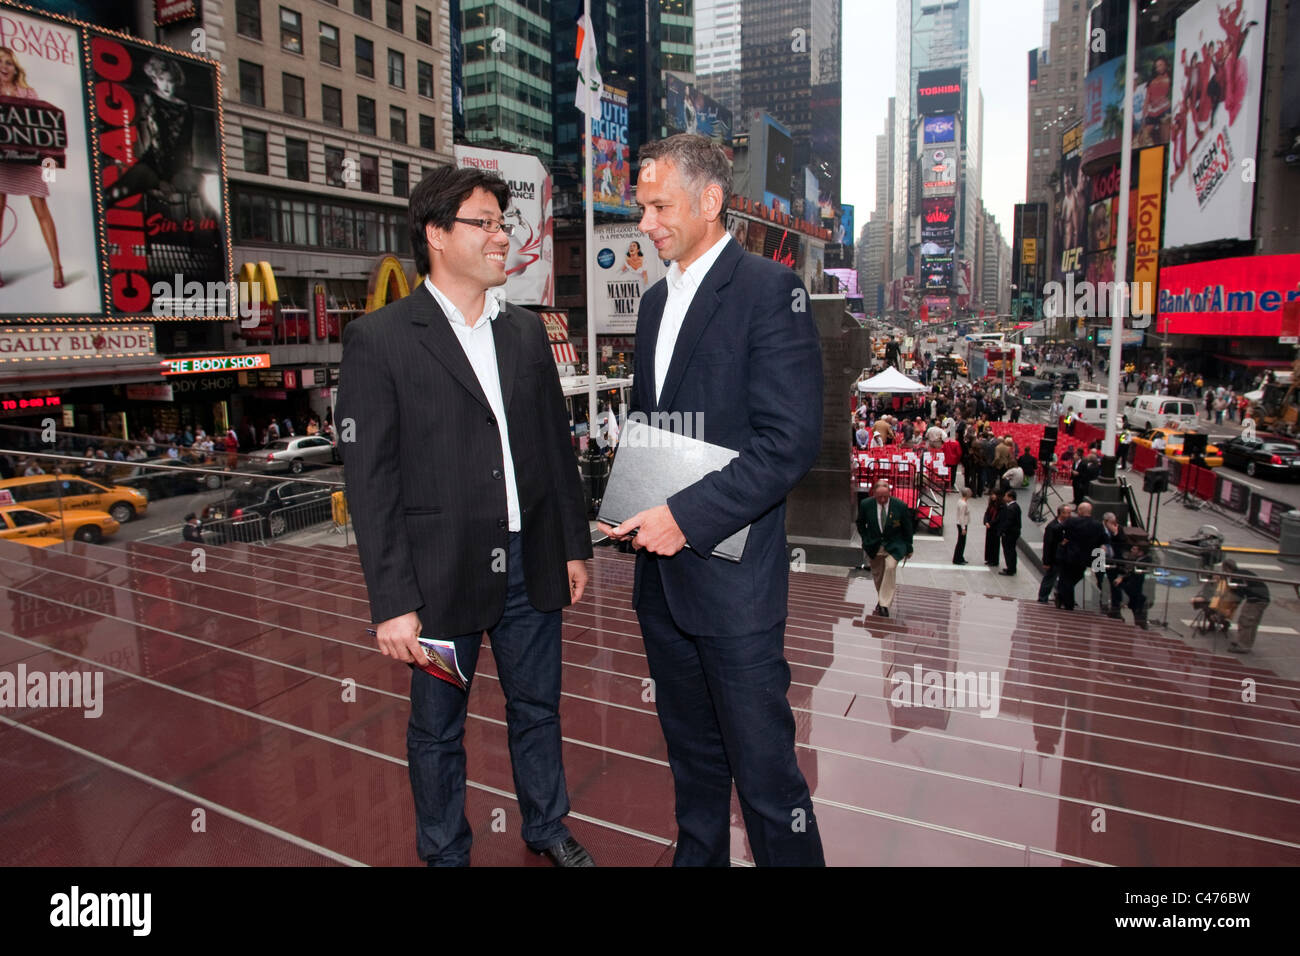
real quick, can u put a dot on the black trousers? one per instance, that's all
(1071, 575)
(959, 552)
(1009, 551)
(991, 542)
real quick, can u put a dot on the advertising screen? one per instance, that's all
(939, 129)
(939, 171)
(530, 262)
(779, 164)
(690, 111)
(625, 265)
(938, 91)
(164, 200)
(1215, 124)
(611, 175)
(1227, 297)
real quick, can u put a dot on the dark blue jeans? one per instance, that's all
(724, 713)
(526, 646)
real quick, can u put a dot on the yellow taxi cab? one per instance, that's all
(45, 492)
(1174, 446)
(26, 526)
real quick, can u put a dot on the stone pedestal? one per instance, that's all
(821, 506)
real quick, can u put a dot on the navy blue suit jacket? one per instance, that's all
(748, 359)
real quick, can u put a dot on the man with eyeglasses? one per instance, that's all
(468, 508)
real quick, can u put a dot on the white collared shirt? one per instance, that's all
(682, 286)
(481, 350)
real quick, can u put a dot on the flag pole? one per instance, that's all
(1120, 296)
(589, 239)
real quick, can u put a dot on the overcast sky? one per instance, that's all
(1008, 30)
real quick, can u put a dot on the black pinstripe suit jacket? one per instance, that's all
(424, 468)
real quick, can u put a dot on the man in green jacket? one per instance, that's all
(885, 524)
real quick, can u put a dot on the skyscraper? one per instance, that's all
(937, 76)
(1055, 90)
(507, 75)
(717, 50)
(790, 55)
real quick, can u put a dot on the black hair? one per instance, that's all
(437, 199)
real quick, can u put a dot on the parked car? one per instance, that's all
(52, 493)
(293, 454)
(1066, 379)
(27, 526)
(1035, 389)
(1266, 455)
(259, 509)
(1174, 446)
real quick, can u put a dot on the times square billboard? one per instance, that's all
(118, 144)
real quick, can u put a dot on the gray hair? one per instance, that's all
(1110, 516)
(701, 161)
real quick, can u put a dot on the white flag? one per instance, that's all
(587, 95)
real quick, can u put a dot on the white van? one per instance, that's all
(1156, 411)
(1089, 407)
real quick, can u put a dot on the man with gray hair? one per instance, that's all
(727, 338)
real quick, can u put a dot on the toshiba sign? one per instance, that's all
(938, 92)
(1230, 297)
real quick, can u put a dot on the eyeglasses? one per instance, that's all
(489, 225)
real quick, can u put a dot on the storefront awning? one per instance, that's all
(1255, 362)
(557, 326)
(55, 377)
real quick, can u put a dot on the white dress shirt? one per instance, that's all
(682, 285)
(481, 350)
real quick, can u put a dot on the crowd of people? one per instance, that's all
(957, 421)
(187, 445)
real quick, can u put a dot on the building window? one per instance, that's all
(334, 166)
(427, 138)
(290, 30)
(295, 159)
(250, 84)
(401, 179)
(369, 173)
(365, 57)
(424, 78)
(397, 124)
(331, 105)
(393, 14)
(255, 151)
(396, 69)
(365, 115)
(423, 26)
(329, 45)
(361, 8)
(295, 95)
(248, 18)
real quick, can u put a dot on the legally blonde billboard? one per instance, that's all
(111, 174)
(49, 253)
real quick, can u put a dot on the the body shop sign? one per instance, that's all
(216, 363)
(1228, 297)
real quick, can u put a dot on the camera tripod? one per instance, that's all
(1038, 506)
